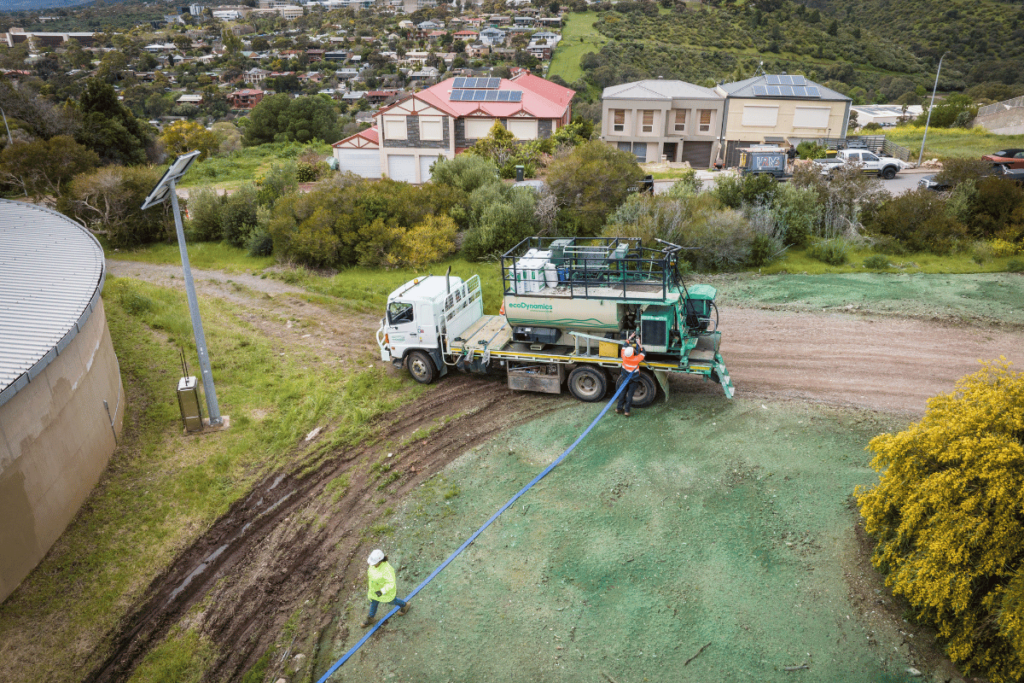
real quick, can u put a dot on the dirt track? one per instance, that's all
(288, 545)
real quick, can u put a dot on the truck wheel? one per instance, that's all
(421, 367)
(889, 173)
(588, 383)
(646, 390)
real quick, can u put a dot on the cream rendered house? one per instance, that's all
(653, 119)
(779, 109)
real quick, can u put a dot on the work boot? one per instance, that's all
(367, 623)
(618, 411)
(626, 414)
(405, 609)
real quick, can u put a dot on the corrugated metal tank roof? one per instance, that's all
(51, 276)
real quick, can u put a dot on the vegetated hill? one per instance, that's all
(707, 43)
(28, 5)
(92, 15)
(984, 38)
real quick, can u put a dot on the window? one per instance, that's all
(478, 128)
(868, 156)
(811, 117)
(399, 312)
(431, 129)
(680, 120)
(619, 120)
(640, 151)
(705, 121)
(759, 115)
(523, 129)
(625, 147)
(648, 121)
(394, 128)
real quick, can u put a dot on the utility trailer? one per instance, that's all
(569, 304)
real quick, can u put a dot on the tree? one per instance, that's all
(279, 118)
(957, 109)
(45, 167)
(833, 28)
(110, 199)
(591, 181)
(109, 128)
(947, 517)
(185, 136)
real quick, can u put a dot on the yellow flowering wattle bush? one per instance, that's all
(948, 515)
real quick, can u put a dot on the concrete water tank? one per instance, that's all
(61, 398)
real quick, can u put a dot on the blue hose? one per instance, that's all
(506, 506)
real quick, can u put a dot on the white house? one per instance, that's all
(359, 153)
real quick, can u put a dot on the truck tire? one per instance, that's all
(646, 391)
(889, 172)
(588, 383)
(421, 367)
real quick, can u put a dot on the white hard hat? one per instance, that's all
(627, 352)
(376, 556)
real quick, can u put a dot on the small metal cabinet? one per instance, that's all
(188, 402)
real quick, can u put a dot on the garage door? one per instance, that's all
(425, 163)
(363, 162)
(698, 154)
(402, 167)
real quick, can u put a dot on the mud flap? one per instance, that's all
(442, 367)
(721, 375)
(662, 378)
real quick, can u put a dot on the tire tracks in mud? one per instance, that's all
(287, 541)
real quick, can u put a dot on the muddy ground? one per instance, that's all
(292, 553)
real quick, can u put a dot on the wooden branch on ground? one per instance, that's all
(698, 653)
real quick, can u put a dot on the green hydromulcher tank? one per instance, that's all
(557, 289)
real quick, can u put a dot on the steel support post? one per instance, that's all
(197, 322)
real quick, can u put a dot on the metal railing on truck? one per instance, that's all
(596, 267)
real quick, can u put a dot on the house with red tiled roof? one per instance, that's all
(359, 153)
(445, 119)
(245, 99)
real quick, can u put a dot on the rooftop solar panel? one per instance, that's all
(812, 91)
(760, 91)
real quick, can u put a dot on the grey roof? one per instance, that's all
(51, 276)
(745, 88)
(659, 90)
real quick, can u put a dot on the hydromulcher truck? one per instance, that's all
(569, 304)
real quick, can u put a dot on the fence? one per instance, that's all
(875, 143)
(990, 109)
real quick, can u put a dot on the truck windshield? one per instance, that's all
(399, 312)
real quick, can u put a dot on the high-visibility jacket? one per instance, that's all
(632, 362)
(382, 578)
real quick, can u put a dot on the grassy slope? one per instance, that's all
(952, 142)
(247, 164)
(578, 38)
(162, 489)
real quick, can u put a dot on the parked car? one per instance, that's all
(1001, 170)
(886, 167)
(1014, 158)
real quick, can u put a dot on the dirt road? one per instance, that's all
(290, 551)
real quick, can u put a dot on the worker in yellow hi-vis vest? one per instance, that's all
(383, 585)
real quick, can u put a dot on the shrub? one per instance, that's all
(238, 215)
(204, 207)
(591, 181)
(729, 191)
(260, 242)
(831, 251)
(877, 262)
(957, 170)
(946, 516)
(1015, 266)
(758, 188)
(768, 243)
(504, 217)
(1004, 248)
(688, 183)
(467, 172)
(919, 221)
(796, 211)
(811, 150)
(998, 203)
(279, 181)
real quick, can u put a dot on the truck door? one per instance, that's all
(870, 162)
(401, 327)
(426, 326)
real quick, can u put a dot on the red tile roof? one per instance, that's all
(368, 134)
(541, 99)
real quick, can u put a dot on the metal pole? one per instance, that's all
(920, 155)
(197, 322)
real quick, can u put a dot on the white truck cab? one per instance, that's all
(419, 315)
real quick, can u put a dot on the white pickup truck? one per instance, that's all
(886, 167)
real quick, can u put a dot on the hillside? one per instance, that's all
(869, 49)
(29, 5)
(984, 38)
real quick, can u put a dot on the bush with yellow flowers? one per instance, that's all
(948, 515)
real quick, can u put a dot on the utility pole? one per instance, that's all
(920, 155)
(10, 141)
(163, 189)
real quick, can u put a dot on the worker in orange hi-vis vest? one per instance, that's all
(632, 356)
